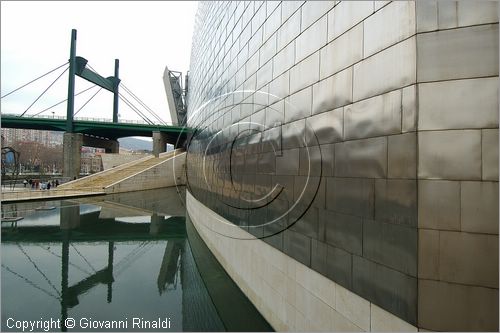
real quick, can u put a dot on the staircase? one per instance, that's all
(101, 180)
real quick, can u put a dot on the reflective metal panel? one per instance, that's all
(409, 109)
(284, 60)
(479, 207)
(426, 12)
(354, 196)
(311, 40)
(378, 34)
(428, 254)
(311, 11)
(392, 245)
(402, 156)
(298, 105)
(333, 92)
(297, 246)
(379, 115)
(327, 127)
(327, 160)
(385, 71)
(469, 258)
(264, 75)
(439, 204)
(490, 154)
(477, 13)
(346, 15)
(447, 14)
(458, 53)
(339, 266)
(289, 30)
(288, 162)
(304, 73)
(448, 104)
(450, 154)
(279, 88)
(392, 290)
(344, 231)
(361, 158)
(268, 50)
(290, 7)
(273, 21)
(342, 52)
(396, 201)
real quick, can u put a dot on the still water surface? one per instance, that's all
(128, 260)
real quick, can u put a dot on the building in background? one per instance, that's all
(345, 165)
(46, 138)
(91, 160)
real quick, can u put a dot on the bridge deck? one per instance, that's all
(108, 130)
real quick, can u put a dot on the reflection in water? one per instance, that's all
(122, 257)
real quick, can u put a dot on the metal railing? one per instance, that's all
(101, 120)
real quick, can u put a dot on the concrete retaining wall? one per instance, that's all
(110, 161)
(168, 173)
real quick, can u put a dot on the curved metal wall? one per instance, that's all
(307, 115)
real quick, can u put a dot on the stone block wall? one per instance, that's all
(361, 140)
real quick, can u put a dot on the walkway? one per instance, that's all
(91, 185)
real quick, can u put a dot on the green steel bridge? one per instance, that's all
(101, 132)
(96, 127)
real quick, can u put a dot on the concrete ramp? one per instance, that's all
(144, 174)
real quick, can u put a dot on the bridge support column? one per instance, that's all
(69, 216)
(114, 147)
(72, 146)
(159, 143)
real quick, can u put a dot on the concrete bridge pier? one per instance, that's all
(72, 146)
(159, 143)
(69, 216)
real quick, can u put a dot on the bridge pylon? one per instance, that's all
(72, 142)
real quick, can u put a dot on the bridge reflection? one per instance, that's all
(106, 223)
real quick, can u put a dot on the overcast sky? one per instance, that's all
(145, 36)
